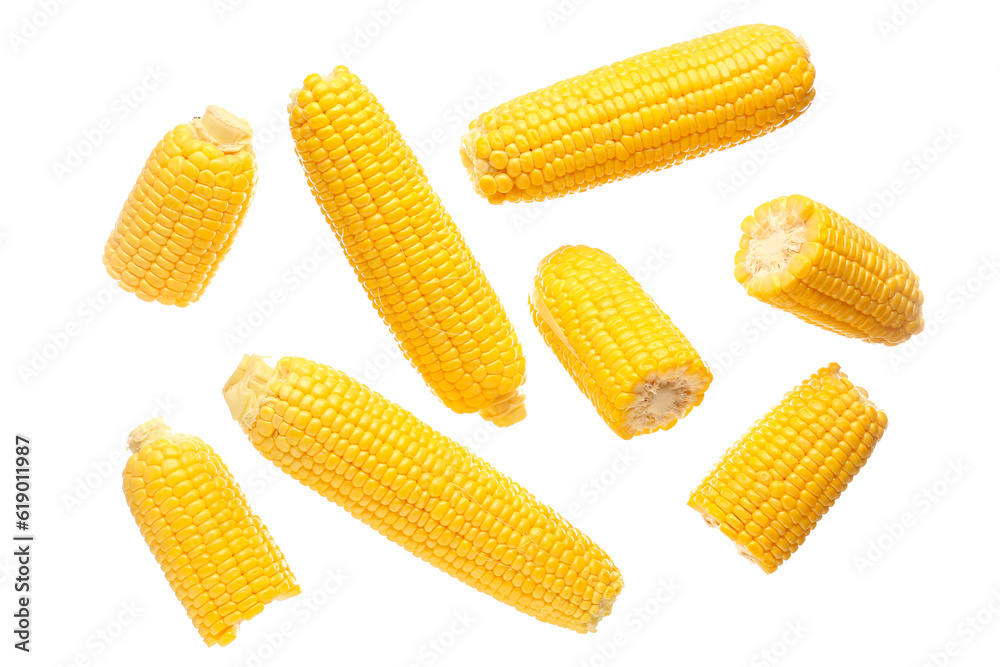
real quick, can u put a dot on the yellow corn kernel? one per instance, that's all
(623, 352)
(772, 487)
(423, 491)
(409, 255)
(802, 257)
(182, 215)
(217, 555)
(645, 113)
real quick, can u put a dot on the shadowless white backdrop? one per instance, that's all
(899, 139)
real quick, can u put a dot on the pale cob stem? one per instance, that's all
(801, 256)
(772, 487)
(406, 250)
(642, 114)
(421, 490)
(228, 132)
(218, 557)
(653, 384)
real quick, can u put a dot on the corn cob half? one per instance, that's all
(645, 113)
(217, 555)
(185, 210)
(409, 255)
(422, 490)
(771, 488)
(798, 255)
(623, 352)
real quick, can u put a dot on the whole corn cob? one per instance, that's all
(624, 353)
(802, 257)
(405, 249)
(422, 490)
(184, 211)
(645, 113)
(217, 555)
(771, 487)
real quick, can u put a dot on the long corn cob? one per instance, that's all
(645, 113)
(624, 353)
(772, 487)
(409, 255)
(802, 257)
(219, 558)
(422, 490)
(184, 211)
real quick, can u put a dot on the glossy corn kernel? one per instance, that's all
(219, 558)
(772, 487)
(623, 352)
(183, 213)
(802, 257)
(645, 113)
(422, 490)
(409, 255)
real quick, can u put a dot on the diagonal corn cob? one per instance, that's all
(624, 353)
(184, 211)
(645, 113)
(422, 490)
(219, 558)
(802, 257)
(405, 249)
(772, 487)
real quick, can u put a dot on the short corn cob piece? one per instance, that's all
(217, 555)
(422, 490)
(773, 486)
(409, 255)
(802, 257)
(648, 112)
(184, 211)
(623, 352)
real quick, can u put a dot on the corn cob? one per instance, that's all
(219, 558)
(185, 210)
(409, 255)
(802, 257)
(772, 487)
(623, 352)
(422, 490)
(649, 112)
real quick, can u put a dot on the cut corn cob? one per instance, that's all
(623, 352)
(405, 249)
(217, 555)
(184, 211)
(651, 111)
(769, 490)
(800, 256)
(422, 490)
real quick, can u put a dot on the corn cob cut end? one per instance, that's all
(148, 432)
(245, 387)
(766, 562)
(506, 411)
(665, 398)
(228, 132)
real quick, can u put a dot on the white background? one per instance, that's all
(908, 106)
